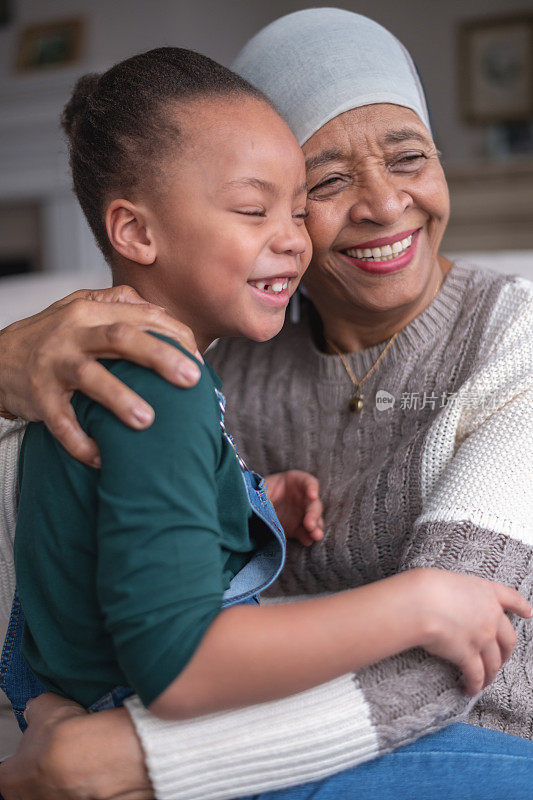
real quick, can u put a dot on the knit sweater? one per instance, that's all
(441, 477)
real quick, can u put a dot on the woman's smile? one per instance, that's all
(385, 255)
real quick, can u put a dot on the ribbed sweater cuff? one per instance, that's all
(264, 747)
(11, 433)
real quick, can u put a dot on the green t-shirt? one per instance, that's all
(121, 570)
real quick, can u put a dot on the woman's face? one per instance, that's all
(378, 207)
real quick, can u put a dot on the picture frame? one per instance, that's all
(496, 69)
(49, 44)
(6, 13)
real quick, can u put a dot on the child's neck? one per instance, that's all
(153, 294)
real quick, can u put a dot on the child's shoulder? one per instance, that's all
(163, 396)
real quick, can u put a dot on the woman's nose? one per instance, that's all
(379, 200)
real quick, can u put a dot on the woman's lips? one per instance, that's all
(392, 264)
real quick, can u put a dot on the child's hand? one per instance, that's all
(295, 497)
(464, 621)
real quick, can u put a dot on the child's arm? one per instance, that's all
(251, 655)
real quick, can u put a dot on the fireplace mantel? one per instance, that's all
(34, 166)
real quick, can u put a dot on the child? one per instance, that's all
(143, 575)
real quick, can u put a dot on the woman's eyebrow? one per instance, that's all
(403, 135)
(323, 158)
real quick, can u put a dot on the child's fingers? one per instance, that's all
(308, 484)
(312, 489)
(506, 638)
(305, 538)
(492, 662)
(473, 671)
(313, 516)
(512, 601)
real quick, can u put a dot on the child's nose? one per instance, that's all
(292, 239)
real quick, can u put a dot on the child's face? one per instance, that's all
(228, 222)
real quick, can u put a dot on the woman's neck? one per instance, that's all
(351, 332)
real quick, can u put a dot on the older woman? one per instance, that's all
(406, 387)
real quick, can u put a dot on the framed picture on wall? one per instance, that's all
(49, 44)
(5, 12)
(496, 69)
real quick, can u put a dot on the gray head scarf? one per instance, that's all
(317, 63)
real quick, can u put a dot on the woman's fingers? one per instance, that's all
(115, 294)
(94, 380)
(82, 313)
(48, 705)
(62, 423)
(44, 358)
(123, 340)
(98, 383)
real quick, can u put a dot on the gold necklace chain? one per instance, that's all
(357, 400)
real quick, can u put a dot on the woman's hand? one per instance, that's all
(67, 754)
(295, 497)
(45, 358)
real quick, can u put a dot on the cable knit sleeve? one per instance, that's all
(478, 495)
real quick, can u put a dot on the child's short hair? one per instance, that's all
(118, 123)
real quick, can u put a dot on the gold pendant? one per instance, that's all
(356, 404)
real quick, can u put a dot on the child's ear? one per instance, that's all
(129, 232)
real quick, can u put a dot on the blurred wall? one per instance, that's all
(33, 164)
(119, 28)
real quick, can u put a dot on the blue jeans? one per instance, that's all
(461, 762)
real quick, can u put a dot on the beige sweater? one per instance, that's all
(442, 477)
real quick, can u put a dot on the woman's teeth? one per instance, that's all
(272, 288)
(385, 253)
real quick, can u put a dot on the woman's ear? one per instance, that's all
(129, 232)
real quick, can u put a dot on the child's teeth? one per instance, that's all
(271, 288)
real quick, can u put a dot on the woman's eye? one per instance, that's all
(409, 162)
(301, 215)
(328, 183)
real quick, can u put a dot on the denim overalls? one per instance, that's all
(20, 684)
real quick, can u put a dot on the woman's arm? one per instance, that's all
(67, 754)
(45, 358)
(478, 506)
